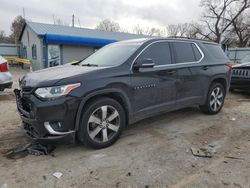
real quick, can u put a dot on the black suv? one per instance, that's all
(94, 99)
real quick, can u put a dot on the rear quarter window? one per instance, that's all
(215, 51)
(197, 53)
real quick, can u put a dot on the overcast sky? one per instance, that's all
(128, 13)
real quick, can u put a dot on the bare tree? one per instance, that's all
(138, 30)
(173, 30)
(16, 28)
(219, 15)
(59, 22)
(108, 25)
(241, 30)
(189, 30)
(3, 37)
(148, 31)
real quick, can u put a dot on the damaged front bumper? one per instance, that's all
(47, 121)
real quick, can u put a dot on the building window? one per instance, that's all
(24, 53)
(34, 55)
(28, 37)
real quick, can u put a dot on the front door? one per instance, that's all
(154, 89)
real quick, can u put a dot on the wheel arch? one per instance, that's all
(116, 94)
(222, 80)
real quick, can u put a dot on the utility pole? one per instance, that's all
(79, 22)
(73, 20)
(23, 13)
(54, 19)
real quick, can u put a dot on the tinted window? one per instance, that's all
(215, 51)
(196, 53)
(159, 52)
(184, 52)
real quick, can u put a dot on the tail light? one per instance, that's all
(4, 67)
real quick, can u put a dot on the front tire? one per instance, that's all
(215, 99)
(103, 121)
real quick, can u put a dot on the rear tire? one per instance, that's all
(102, 123)
(215, 99)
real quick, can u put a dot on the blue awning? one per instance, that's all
(76, 40)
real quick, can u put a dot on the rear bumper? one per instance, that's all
(240, 83)
(48, 121)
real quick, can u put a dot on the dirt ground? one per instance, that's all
(152, 153)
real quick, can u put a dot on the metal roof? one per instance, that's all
(42, 29)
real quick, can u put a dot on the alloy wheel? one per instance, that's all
(103, 124)
(216, 99)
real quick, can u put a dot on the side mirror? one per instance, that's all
(144, 63)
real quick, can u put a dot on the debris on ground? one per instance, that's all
(17, 152)
(202, 152)
(33, 148)
(211, 145)
(4, 186)
(117, 184)
(225, 183)
(39, 149)
(44, 178)
(233, 119)
(129, 174)
(231, 157)
(58, 175)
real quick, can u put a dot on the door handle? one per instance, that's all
(205, 67)
(170, 72)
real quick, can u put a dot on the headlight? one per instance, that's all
(56, 91)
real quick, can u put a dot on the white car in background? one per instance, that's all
(5, 76)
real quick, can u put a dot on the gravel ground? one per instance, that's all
(151, 153)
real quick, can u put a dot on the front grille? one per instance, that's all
(245, 73)
(26, 90)
(24, 104)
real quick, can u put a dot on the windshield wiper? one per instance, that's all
(90, 65)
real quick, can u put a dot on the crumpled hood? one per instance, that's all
(50, 76)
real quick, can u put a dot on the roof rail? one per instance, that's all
(179, 37)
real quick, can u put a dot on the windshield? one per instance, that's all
(111, 55)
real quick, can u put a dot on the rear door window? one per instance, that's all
(184, 52)
(159, 52)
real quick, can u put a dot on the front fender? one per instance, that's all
(101, 92)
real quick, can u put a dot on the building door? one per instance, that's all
(54, 55)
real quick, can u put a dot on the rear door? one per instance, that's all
(154, 88)
(187, 58)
